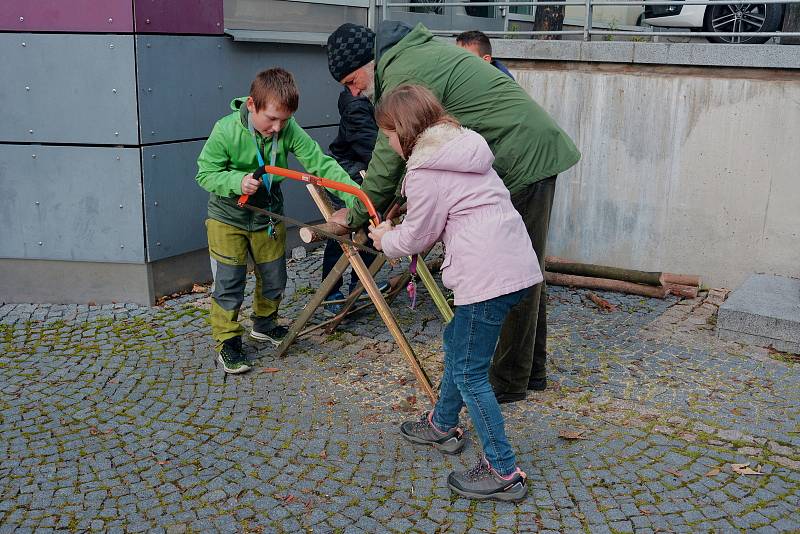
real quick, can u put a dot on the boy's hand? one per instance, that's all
(249, 185)
(377, 232)
(340, 217)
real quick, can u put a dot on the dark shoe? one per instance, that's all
(231, 357)
(482, 482)
(423, 432)
(274, 333)
(505, 398)
(537, 384)
(334, 309)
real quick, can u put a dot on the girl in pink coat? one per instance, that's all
(455, 196)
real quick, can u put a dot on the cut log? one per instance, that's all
(791, 23)
(308, 235)
(679, 290)
(560, 279)
(680, 279)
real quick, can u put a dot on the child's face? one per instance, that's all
(394, 141)
(268, 120)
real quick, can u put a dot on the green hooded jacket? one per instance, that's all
(528, 145)
(230, 153)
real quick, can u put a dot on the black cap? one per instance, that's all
(350, 47)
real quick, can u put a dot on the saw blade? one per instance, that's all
(316, 229)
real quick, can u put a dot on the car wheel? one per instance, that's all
(742, 18)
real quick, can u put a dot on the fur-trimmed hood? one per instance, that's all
(451, 148)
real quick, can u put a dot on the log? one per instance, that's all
(679, 290)
(560, 265)
(308, 235)
(560, 279)
(680, 279)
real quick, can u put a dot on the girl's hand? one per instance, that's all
(377, 232)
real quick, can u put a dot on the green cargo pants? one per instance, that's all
(228, 247)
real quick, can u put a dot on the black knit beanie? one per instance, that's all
(350, 47)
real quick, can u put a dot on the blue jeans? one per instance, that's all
(469, 343)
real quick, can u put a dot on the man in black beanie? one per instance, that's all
(351, 51)
(529, 147)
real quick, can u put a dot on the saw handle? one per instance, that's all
(322, 182)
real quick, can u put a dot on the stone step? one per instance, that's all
(764, 311)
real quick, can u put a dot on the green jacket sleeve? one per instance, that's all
(213, 166)
(314, 161)
(384, 173)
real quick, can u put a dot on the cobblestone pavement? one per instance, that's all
(114, 418)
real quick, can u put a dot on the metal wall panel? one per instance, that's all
(175, 206)
(108, 16)
(71, 203)
(186, 83)
(298, 202)
(68, 89)
(178, 16)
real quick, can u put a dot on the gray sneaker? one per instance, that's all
(482, 482)
(423, 432)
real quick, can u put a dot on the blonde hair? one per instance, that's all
(409, 110)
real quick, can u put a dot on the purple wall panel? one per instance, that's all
(106, 16)
(179, 16)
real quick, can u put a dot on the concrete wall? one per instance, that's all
(684, 169)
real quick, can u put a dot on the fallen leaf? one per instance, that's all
(93, 431)
(674, 473)
(713, 472)
(288, 498)
(197, 288)
(270, 370)
(324, 455)
(602, 303)
(162, 462)
(744, 469)
(571, 434)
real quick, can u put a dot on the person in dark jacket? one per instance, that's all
(479, 44)
(352, 149)
(530, 149)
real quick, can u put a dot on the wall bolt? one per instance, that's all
(23, 44)
(22, 19)
(219, 86)
(114, 91)
(33, 156)
(152, 132)
(155, 203)
(148, 45)
(120, 206)
(110, 21)
(27, 87)
(153, 156)
(147, 21)
(37, 202)
(158, 243)
(40, 243)
(219, 46)
(122, 246)
(30, 131)
(111, 45)
(117, 158)
(116, 133)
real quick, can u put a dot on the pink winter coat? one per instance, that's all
(455, 196)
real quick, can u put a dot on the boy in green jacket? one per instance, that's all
(261, 130)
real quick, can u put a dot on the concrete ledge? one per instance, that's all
(765, 310)
(693, 54)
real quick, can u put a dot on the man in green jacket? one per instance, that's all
(259, 131)
(529, 147)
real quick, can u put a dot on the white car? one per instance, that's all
(732, 18)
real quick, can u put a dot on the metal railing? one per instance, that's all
(588, 30)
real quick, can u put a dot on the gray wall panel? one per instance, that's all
(68, 89)
(175, 206)
(68, 199)
(186, 83)
(298, 202)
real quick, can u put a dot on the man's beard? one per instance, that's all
(369, 91)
